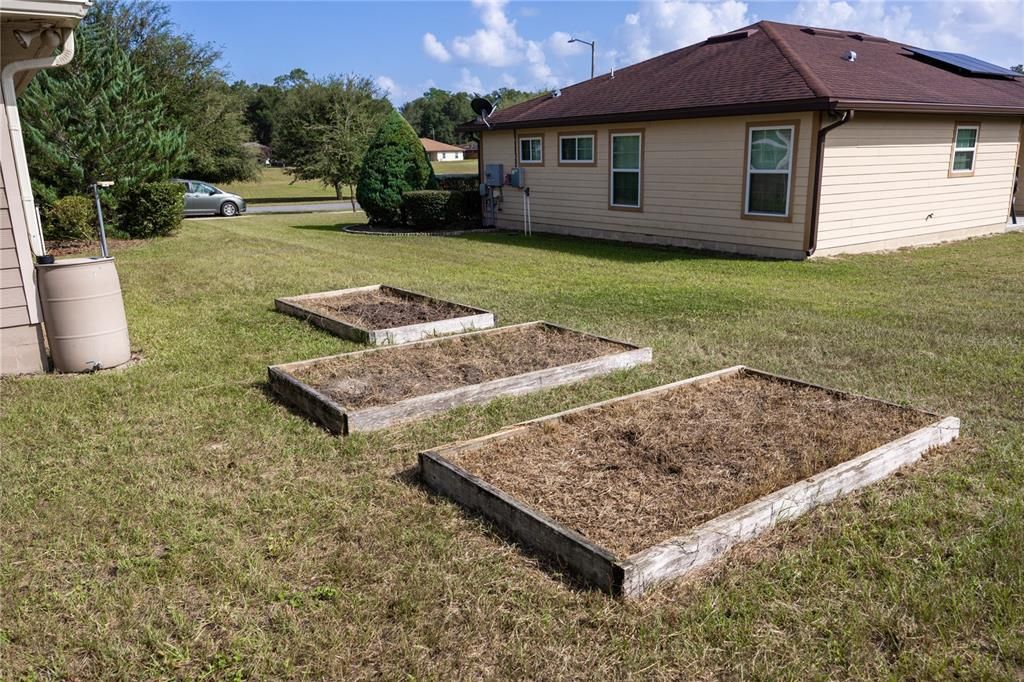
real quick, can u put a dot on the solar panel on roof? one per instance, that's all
(964, 62)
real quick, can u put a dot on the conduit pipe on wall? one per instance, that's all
(66, 54)
(812, 238)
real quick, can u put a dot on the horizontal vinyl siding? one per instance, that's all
(13, 304)
(885, 182)
(692, 186)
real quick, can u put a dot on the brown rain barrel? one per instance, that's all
(84, 314)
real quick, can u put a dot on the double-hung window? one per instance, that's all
(576, 149)
(965, 148)
(531, 150)
(769, 170)
(626, 158)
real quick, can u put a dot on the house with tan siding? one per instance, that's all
(773, 140)
(31, 32)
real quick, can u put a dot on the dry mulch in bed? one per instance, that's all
(90, 247)
(384, 309)
(633, 474)
(384, 377)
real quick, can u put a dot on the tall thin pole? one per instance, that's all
(593, 47)
(99, 214)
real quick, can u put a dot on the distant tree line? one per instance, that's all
(142, 102)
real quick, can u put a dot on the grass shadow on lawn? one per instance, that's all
(333, 227)
(603, 249)
(546, 563)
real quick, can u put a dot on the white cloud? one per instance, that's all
(560, 46)
(469, 82)
(435, 49)
(395, 92)
(495, 44)
(666, 25)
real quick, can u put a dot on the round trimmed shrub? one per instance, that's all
(71, 218)
(151, 209)
(395, 163)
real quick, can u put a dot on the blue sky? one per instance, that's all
(480, 45)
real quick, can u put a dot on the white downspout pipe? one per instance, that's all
(35, 232)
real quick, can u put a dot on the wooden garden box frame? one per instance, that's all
(337, 419)
(633, 575)
(296, 306)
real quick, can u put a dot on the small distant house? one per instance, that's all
(470, 150)
(439, 151)
(773, 140)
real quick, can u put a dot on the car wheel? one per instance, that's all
(228, 209)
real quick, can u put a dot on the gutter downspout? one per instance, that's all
(812, 237)
(35, 232)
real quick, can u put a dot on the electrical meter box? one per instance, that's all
(517, 178)
(494, 175)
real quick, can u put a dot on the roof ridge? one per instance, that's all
(816, 85)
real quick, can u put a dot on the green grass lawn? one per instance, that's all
(465, 167)
(275, 186)
(171, 521)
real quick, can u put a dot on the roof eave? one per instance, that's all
(782, 106)
(928, 107)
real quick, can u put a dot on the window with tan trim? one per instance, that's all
(626, 169)
(531, 150)
(965, 149)
(576, 149)
(769, 174)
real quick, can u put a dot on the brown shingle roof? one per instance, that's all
(435, 146)
(767, 67)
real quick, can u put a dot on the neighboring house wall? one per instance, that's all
(886, 182)
(446, 156)
(692, 187)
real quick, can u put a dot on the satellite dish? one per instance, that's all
(481, 107)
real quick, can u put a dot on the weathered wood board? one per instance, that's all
(634, 575)
(297, 306)
(337, 419)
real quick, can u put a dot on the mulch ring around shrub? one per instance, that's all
(632, 474)
(406, 231)
(384, 309)
(394, 374)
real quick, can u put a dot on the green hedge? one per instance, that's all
(435, 208)
(462, 182)
(71, 218)
(151, 209)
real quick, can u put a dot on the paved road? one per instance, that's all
(301, 208)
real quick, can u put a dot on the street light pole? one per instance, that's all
(592, 50)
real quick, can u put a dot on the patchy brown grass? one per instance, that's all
(388, 375)
(91, 247)
(632, 474)
(384, 309)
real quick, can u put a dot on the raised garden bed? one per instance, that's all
(383, 315)
(647, 487)
(381, 387)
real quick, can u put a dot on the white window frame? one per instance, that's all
(973, 150)
(612, 170)
(593, 148)
(750, 171)
(540, 139)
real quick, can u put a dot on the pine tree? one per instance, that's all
(395, 163)
(97, 119)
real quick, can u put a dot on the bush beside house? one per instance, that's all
(428, 209)
(71, 218)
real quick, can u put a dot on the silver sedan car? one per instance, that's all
(205, 199)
